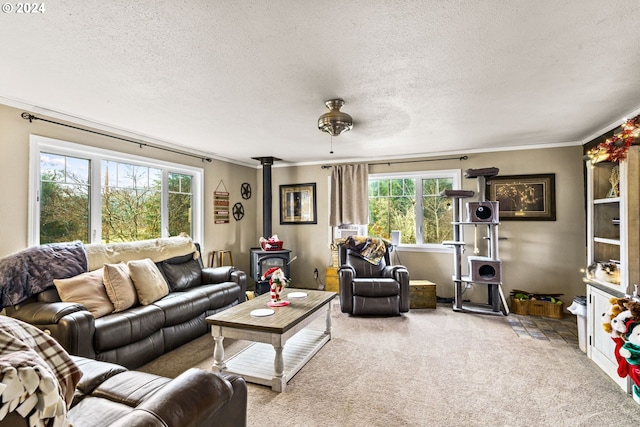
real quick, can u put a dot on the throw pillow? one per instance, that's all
(148, 281)
(86, 289)
(119, 286)
(183, 276)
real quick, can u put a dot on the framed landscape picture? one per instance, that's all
(298, 204)
(524, 197)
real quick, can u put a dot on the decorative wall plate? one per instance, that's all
(238, 211)
(245, 191)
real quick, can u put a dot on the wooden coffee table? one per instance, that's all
(288, 325)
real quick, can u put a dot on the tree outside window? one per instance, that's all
(437, 213)
(417, 210)
(64, 198)
(180, 202)
(392, 207)
(136, 201)
(131, 200)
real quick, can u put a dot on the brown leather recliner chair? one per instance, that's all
(367, 289)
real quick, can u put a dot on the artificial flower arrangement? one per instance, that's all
(615, 149)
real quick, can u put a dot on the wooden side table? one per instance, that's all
(331, 280)
(422, 294)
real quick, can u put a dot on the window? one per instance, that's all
(131, 198)
(411, 203)
(180, 202)
(99, 196)
(64, 198)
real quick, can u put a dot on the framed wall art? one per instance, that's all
(524, 197)
(298, 204)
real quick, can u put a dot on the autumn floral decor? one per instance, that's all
(615, 149)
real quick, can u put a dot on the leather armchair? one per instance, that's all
(367, 289)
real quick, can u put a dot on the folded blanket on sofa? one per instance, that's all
(32, 270)
(155, 249)
(372, 249)
(37, 377)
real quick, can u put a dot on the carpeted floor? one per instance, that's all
(430, 368)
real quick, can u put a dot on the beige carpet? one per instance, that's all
(430, 368)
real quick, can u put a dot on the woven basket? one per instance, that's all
(519, 306)
(546, 309)
(272, 246)
(537, 308)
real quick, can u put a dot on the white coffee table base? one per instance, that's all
(253, 363)
(268, 361)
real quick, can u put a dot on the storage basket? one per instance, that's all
(272, 246)
(545, 308)
(519, 306)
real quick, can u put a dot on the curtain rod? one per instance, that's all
(31, 118)
(461, 158)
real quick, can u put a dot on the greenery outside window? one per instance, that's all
(411, 203)
(99, 196)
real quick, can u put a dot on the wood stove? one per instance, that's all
(262, 260)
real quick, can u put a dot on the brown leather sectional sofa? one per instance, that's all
(141, 333)
(110, 395)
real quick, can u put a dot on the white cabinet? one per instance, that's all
(613, 234)
(600, 346)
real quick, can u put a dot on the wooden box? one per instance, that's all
(331, 280)
(422, 294)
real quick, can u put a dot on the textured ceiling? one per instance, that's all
(241, 79)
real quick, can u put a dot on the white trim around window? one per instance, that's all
(38, 144)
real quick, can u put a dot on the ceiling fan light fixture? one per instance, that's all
(335, 121)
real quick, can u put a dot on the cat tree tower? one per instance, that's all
(484, 266)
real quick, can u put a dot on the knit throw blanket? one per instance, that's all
(37, 377)
(32, 270)
(155, 249)
(372, 249)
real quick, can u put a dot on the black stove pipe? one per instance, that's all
(267, 202)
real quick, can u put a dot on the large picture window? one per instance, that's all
(99, 196)
(411, 203)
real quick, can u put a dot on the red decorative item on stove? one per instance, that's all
(271, 244)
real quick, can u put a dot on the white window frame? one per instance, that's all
(39, 144)
(455, 174)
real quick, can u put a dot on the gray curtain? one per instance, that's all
(349, 195)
